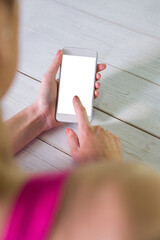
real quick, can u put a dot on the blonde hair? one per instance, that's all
(9, 172)
(141, 187)
(8, 3)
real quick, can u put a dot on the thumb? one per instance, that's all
(54, 66)
(72, 140)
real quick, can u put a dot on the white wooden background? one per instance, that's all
(126, 35)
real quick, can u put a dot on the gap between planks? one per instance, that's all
(102, 61)
(43, 159)
(108, 64)
(130, 124)
(42, 140)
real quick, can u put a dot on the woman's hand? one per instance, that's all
(47, 97)
(94, 143)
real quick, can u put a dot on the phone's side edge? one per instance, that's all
(58, 90)
(93, 86)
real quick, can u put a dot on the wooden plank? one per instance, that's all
(137, 145)
(38, 156)
(140, 16)
(30, 163)
(114, 98)
(119, 88)
(63, 26)
(130, 99)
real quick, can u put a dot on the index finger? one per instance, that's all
(81, 113)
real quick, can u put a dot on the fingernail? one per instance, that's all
(67, 131)
(59, 51)
(76, 98)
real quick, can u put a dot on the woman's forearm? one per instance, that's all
(24, 127)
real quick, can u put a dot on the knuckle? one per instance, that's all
(100, 129)
(108, 132)
(87, 130)
(118, 138)
(111, 134)
(114, 136)
(82, 108)
(94, 128)
(45, 76)
(77, 156)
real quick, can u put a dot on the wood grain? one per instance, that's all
(120, 47)
(139, 16)
(124, 94)
(39, 156)
(126, 35)
(137, 145)
(130, 99)
(119, 89)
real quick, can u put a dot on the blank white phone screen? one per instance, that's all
(77, 78)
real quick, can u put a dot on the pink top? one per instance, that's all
(36, 207)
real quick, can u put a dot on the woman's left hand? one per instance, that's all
(47, 97)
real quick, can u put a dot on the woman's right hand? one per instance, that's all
(94, 143)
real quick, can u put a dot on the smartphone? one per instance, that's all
(77, 77)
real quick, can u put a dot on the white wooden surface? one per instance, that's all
(126, 35)
(124, 48)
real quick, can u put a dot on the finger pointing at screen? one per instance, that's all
(81, 113)
(94, 143)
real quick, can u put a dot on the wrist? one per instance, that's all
(45, 116)
(39, 116)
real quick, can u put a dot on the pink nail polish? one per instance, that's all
(67, 131)
(76, 98)
(59, 51)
